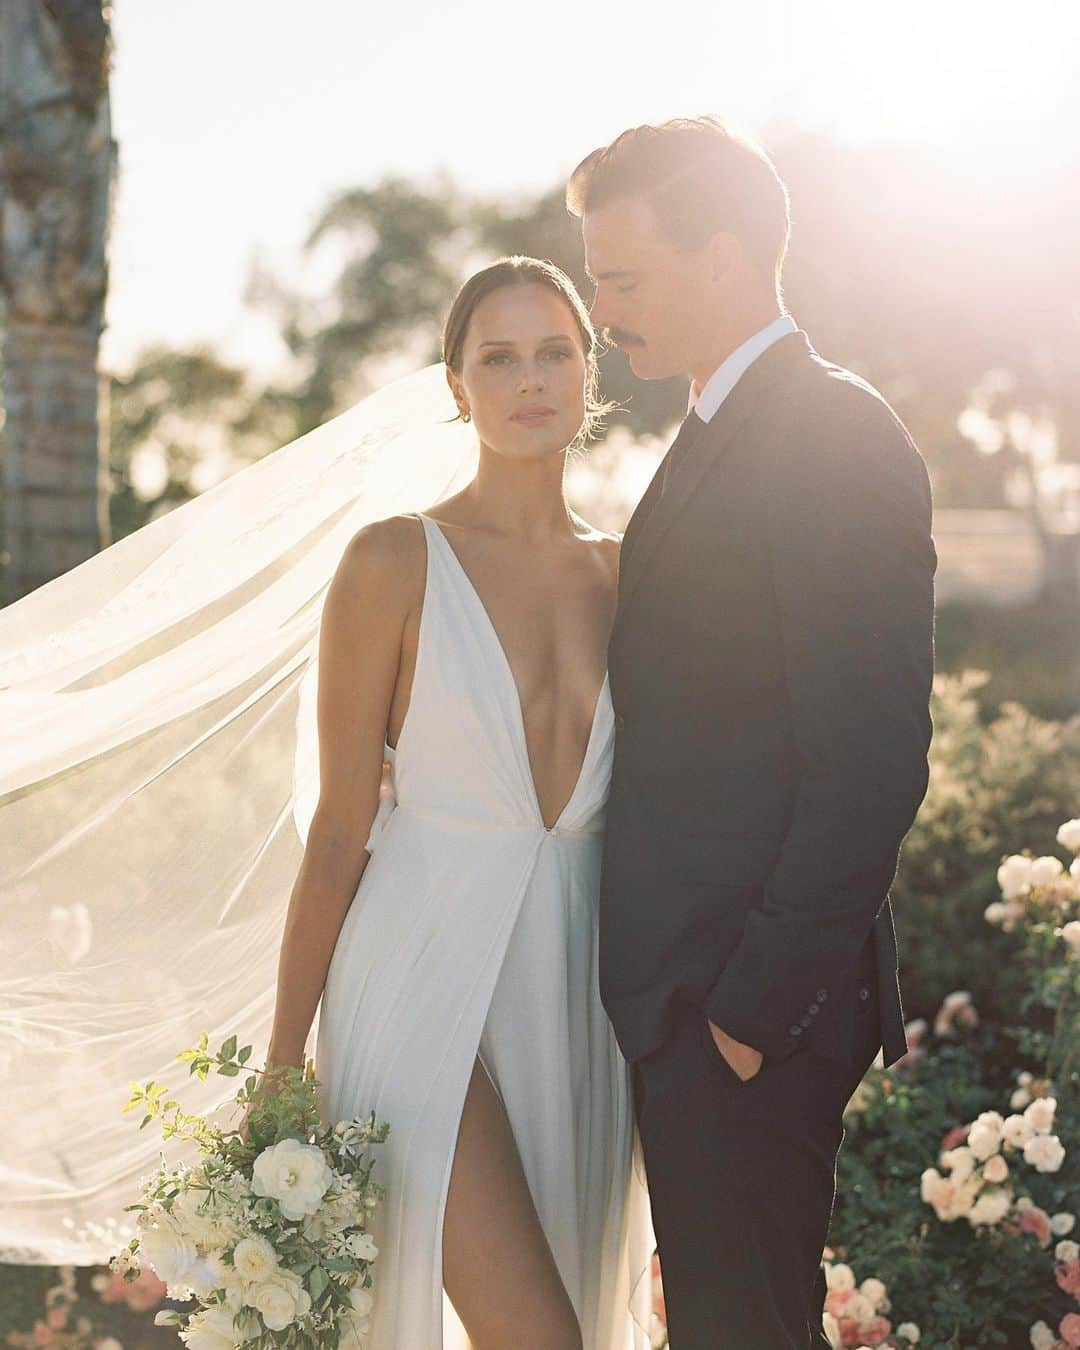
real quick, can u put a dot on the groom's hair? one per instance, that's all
(699, 177)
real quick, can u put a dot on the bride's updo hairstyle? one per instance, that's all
(517, 270)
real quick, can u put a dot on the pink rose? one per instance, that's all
(955, 1137)
(1067, 1274)
(835, 1300)
(1070, 1329)
(1037, 1221)
(56, 1318)
(875, 1331)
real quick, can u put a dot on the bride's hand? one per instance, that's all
(744, 1059)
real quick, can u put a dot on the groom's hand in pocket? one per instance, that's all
(744, 1059)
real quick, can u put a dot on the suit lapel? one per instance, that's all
(658, 510)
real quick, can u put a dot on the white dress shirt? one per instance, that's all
(726, 376)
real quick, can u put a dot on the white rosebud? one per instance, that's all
(1046, 870)
(1020, 1099)
(1045, 1153)
(908, 1331)
(1071, 934)
(839, 1277)
(1042, 1338)
(1014, 876)
(995, 1169)
(1069, 836)
(995, 912)
(1067, 1250)
(1062, 1224)
(1040, 1114)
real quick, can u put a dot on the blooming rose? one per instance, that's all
(839, 1277)
(1034, 1220)
(1014, 876)
(1042, 1338)
(983, 1140)
(1070, 1328)
(1069, 836)
(874, 1290)
(990, 1208)
(168, 1251)
(294, 1174)
(1044, 1152)
(1041, 1114)
(1017, 1130)
(1045, 870)
(1061, 1225)
(255, 1259)
(959, 1161)
(1067, 1251)
(281, 1299)
(908, 1331)
(212, 1329)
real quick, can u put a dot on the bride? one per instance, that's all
(453, 939)
(297, 681)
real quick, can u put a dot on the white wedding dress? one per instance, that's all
(473, 933)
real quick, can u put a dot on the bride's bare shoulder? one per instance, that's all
(386, 557)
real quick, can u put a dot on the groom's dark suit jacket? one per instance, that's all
(770, 667)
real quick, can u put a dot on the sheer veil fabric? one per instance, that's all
(152, 718)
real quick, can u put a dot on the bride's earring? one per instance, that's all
(466, 416)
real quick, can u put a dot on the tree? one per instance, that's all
(56, 167)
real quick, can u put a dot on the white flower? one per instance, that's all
(959, 1161)
(362, 1246)
(995, 1169)
(255, 1259)
(1062, 1224)
(1069, 836)
(990, 1208)
(280, 1299)
(1045, 870)
(839, 1277)
(294, 1174)
(949, 1198)
(995, 912)
(1071, 934)
(859, 1309)
(168, 1251)
(832, 1330)
(908, 1331)
(983, 1140)
(1042, 1338)
(1014, 876)
(1040, 1114)
(1044, 1152)
(212, 1329)
(208, 1273)
(360, 1300)
(1067, 1251)
(874, 1290)
(1020, 1099)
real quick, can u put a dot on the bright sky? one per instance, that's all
(236, 119)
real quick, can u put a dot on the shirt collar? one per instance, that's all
(726, 376)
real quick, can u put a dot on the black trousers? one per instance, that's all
(742, 1179)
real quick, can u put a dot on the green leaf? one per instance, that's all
(229, 1048)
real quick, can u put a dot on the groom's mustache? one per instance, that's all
(619, 337)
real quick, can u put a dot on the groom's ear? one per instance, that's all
(725, 255)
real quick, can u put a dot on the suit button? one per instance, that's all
(813, 1010)
(620, 721)
(805, 1019)
(822, 995)
(795, 1031)
(864, 993)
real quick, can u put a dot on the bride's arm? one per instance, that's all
(366, 608)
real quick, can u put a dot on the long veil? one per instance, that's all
(153, 704)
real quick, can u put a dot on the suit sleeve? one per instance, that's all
(852, 560)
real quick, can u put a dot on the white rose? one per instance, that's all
(1042, 1338)
(1046, 870)
(908, 1331)
(1020, 1099)
(1044, 1152)
(212, 1329)
(294, 1174)
(839, 1277)
(1062, 1224)
(990, 1208)
(1014, 876)
(255, 1259)
(1071, 934)
(874, 1291)
(983, 1140)
(859, 1309)
(280, 1299)
(959, 1161)
(1017, 1130)
(362, 1246)
(1069, 836)
(995, 912)
(1040, 1114)
(168, 1251)
(1067, 1251)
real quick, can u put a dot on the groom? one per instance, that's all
(770, 667)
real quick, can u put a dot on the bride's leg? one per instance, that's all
(497, 1266)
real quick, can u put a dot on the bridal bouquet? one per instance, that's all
(267, 1232)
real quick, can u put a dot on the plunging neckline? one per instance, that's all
(509, 672)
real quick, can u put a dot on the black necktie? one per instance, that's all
(680, 447)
